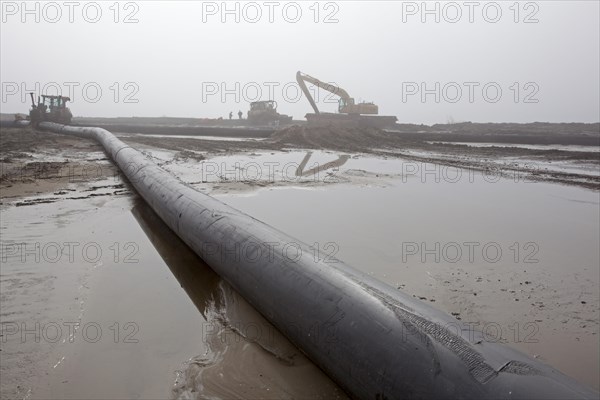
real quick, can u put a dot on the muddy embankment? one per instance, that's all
(578, 165)
(44, 165)
(38, 162)
(530, 133)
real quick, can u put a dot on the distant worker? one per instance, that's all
(230, 114)
(240, 114)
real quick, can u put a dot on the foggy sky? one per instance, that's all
(173, 59)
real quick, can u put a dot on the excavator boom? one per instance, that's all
(346, 103)
(300, 78)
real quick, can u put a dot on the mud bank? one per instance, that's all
(579, 168)
(40, 163)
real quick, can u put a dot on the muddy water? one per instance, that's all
(111, 304)
(517, 259)
(150, 320)
(96, 309)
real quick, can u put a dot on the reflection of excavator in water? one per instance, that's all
(350, 113)
(50, 108)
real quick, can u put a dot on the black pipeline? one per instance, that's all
(373, 340)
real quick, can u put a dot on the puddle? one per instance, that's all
(540, 167)
(517, 167)
(595, 149)
(246, 173)
(106, 293)
(218, 138)
(518, 257)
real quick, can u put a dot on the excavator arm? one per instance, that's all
(338, 91)
(346, 103)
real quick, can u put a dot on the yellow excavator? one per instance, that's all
(349, 112)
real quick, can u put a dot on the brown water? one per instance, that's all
(151, 320)
(517, 259)
(143, 317)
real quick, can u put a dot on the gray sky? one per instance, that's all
(482, 61)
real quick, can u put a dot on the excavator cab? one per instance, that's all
(343, 103)
(50, 108)
(347, 106)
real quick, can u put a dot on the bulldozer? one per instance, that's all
(265, 113)
(349, 112)
(50, 108)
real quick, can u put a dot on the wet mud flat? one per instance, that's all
(171, 328)
(50, 165)
(554, 164)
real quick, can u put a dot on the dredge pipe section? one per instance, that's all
(373, 340)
